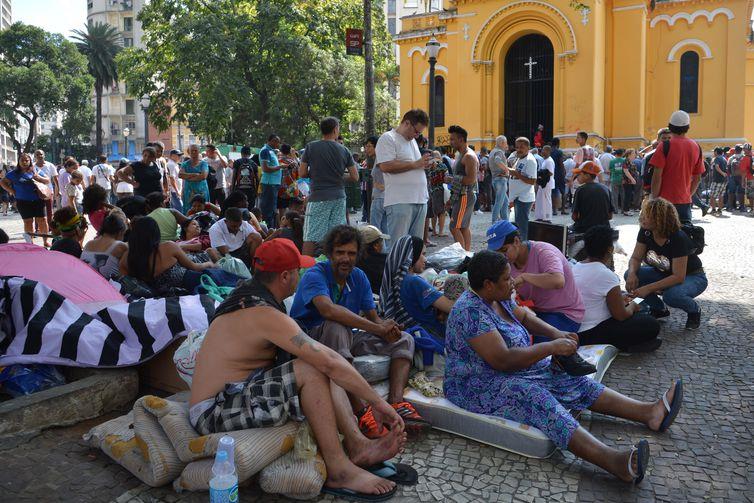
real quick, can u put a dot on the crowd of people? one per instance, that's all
(510, 330)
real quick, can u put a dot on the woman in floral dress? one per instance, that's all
(493, 368)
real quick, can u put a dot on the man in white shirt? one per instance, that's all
(217, 164)
(104, 175)
(175, 184)
(399, 159)
(87, 172)
(521, 187)
(232, 236)
(543, 207)
(49, 171)
(605, 160)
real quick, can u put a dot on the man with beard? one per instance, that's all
(328, 302)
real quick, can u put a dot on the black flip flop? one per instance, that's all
(350, 495)
(674, 407)
(399, 473)
(642, 461)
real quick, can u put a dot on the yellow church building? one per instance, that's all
(614, 68)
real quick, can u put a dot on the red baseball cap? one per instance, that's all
(278, 255)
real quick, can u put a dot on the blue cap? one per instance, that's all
(497, 233)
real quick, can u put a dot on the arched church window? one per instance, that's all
(439, 101)
(689, 96)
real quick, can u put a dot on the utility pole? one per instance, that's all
(368, 70)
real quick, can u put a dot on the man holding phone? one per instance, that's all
(402, 164)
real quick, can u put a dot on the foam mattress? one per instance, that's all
(498, 432)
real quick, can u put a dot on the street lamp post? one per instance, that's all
(126, 132)
(145, 107)
(433, 49)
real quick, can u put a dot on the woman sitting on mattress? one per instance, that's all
(162, 265)
(493, 368)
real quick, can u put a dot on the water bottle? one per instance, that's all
(223, 487)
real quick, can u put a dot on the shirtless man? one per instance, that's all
(243, 380)
(464, 192)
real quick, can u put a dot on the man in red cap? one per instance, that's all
(245, 377)
(591, 201)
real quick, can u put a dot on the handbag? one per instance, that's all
(43, 191)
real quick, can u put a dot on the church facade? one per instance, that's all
(614, 68)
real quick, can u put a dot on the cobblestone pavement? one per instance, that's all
(706, 455)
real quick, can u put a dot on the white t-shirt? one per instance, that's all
(87, 174)
(173, 170)
(216, 165)
(219, 235)
(594, 280)
(605, 163)
(518, 189)
(102, 174)
(401, 188)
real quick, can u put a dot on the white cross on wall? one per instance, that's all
(530, 64)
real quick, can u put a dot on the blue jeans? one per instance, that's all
(500, 210)
(268, 204)
(522, 218)
(684, 212)
(557, 320)
(679, 296)
(377, 214)
(403, 220)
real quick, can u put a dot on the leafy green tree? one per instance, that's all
(41, 73)
(240, 69)
(100, 43)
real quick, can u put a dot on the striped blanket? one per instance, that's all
(38, 325)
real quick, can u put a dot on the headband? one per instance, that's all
(71, 224)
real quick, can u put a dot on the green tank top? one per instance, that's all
(167, 224)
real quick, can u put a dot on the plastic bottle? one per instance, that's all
(223, 487)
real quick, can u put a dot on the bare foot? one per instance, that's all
(369, 452)
(356, 479)
(660, 411)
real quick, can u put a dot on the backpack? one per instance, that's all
(696, 235)
(733, 163)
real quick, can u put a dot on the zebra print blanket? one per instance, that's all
(38, 325)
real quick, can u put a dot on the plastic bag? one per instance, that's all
(449, 257)
(234, 266)
(185, 356)
(20, 380)
(303, 187)
(305, 447)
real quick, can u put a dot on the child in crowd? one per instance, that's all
(291, 227)
(69, 227)
(75, 191)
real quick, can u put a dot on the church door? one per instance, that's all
(529, 87)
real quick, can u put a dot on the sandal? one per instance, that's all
(642, 461)
(674, 407)
(399, 473)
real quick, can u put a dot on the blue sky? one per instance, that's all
(58, 16)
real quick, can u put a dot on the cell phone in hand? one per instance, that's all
(637, 300)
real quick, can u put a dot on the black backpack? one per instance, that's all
(696, 235)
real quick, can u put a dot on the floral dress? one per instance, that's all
(539, 396)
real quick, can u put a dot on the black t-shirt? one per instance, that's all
(373, 265)
(67, 245)
(591, 202)
(244, 174)
(719, 162)
(661, 257)
(560, 172)
(149, 178)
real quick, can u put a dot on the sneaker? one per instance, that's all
(368, 424)
(693, 321)
(478, 212)
(413, 421)
(705, 209)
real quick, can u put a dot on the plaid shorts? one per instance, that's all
(321, 216)
(750, 189)
(717, 189)
(269, 397)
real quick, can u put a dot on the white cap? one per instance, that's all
(679, 118)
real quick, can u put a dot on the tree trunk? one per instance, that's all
(368, 70)
(98, 92)
(32, 132)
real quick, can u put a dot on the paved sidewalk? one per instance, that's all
(706, 456)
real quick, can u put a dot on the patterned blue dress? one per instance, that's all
(192, 188)
(539, 396)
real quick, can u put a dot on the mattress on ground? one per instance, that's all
(495, 431)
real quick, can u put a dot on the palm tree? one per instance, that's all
(100, 43)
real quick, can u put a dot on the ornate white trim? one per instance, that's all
(423, 49)
(438, 68)
(542, 5)
(690, 18)
(690, 41)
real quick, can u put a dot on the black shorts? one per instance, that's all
(31, 209)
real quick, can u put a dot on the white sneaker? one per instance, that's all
(478, 212)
